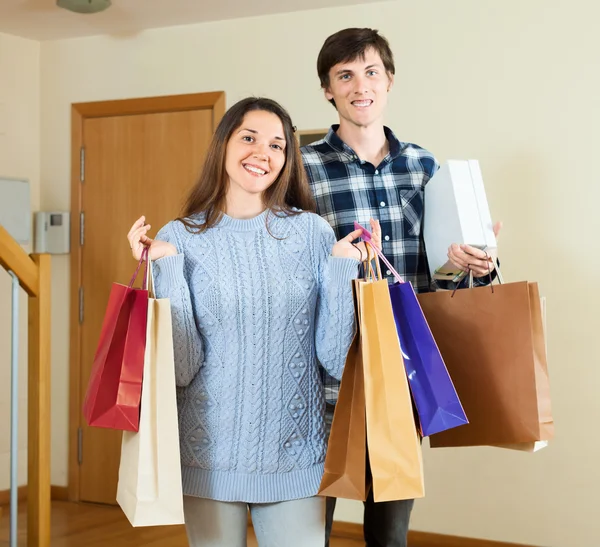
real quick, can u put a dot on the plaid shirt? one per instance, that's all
(348, 189)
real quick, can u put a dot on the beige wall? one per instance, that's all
(19, 158)
(514, 84)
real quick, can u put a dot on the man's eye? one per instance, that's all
(372, 72)
(345, 77)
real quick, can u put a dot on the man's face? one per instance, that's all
(359, 89)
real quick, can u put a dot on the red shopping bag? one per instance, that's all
(114, 390)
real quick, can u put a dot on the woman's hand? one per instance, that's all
(345, 248)
(138, 240)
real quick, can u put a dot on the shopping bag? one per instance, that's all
(112, 399)
(345, 462)
(492, 341)
(457, 211)
(435, 397)
(394, 447)
(149, 490)
(542, 384)
(436, 401)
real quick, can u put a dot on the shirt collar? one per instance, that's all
(332, 139)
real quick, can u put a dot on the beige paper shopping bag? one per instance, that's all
(149, 489)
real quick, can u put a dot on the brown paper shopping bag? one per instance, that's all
(149, 489)
(492, 340)
(541, 375)
(345, 463)
(394, 447)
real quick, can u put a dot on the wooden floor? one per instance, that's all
(84, 525)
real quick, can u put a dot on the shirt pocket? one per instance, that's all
(411, 201)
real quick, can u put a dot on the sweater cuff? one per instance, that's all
(344, 269)
(170, 269)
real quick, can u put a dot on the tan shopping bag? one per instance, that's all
(394, 447)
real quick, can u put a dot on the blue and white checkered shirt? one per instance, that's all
(348, 189)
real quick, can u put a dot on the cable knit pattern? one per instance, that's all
(254, 313)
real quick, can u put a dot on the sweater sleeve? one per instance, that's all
(170, 282)
(335, 317)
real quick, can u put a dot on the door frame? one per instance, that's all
(214, 101)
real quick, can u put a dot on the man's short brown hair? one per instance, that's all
(350, 44)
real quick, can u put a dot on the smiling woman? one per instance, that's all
(255, 157)
(261, 298)
(255, 135)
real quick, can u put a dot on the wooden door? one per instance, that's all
(141, 163)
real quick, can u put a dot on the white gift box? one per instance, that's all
(456, 211)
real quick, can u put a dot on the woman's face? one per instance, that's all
(255, 153)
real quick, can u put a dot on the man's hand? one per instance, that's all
(470, 258)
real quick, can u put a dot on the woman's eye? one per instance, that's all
(247, 138)
(276, 147)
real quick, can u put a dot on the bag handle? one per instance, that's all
(366, 237)
(470, 278)
(143, 258)
(149, 276)
(368, 266)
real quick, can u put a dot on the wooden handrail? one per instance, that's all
(14, 258)
(34, 277)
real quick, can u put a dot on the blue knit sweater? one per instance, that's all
(254, 313)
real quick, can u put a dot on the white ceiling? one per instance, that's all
(42, 20)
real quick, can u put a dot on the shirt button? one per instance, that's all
(377, 171)
(388, 272)
(387, 238)
(382, 204)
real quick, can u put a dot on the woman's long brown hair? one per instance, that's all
(290, 189)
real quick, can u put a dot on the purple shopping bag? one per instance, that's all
(437, 402)
(434, 395)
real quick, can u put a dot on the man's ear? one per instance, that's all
(391, 82)
(327, 93)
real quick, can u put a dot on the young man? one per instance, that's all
(361, 170)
